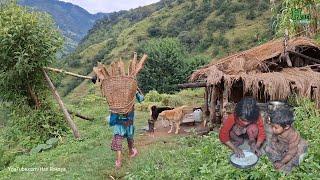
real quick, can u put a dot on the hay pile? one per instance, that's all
(118, 85)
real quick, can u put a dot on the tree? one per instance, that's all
(29, 41)
(196, 62)
(165, 67)
(154, 31)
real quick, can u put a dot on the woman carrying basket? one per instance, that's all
(121, 90)
(123, 127)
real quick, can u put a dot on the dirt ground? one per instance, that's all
(161, 131)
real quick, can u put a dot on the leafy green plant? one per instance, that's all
(50, 143)
(291, 15)
(153, 96)
(35, 126)
(172, 100)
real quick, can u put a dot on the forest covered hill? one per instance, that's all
(213, 28)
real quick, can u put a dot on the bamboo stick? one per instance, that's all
(63, 108)
(66, 72)
(139, 66)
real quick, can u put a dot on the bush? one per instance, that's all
(165, 67)
(189, 39)
(196, 62)
(251, 15)
(227, 22)
(5, 158)
(74, 63)
(29, 42)
(220, 40)
(36, 126)
(228, 7)
(144, 106)
(153, 96)
(172, 100)
(154, 31)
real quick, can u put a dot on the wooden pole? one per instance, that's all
(192, 85)
(63, 108)
(213, 105)
(206, 96)
(305, 56)
(81, 116)
(68, 73)
(224, 100)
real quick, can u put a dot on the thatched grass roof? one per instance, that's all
(252, 59)
(250, 67)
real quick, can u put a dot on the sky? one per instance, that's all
(106, 6)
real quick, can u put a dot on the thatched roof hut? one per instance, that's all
(271, 71)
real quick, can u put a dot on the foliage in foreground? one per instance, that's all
(207, 158)
(36, 126)
(29, 42)
(296, 16)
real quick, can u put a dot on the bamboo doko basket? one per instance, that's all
(120, 87)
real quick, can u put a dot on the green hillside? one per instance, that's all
(213, 28)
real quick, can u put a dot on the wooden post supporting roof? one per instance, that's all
(63, 108)
(213, 97)
(224, 100)
(193, 85)
(206, 96)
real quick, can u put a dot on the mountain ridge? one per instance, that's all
(73, 21)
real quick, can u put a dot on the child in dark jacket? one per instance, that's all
(286, 148)
(245, 123)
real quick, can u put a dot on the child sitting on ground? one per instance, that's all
(229, 111)
(286, 148)
(244, 123)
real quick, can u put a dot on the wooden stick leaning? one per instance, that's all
(63, 108)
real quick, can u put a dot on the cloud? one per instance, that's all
(94, 6)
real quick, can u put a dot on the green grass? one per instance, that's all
(90, 158)
(170, 157)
